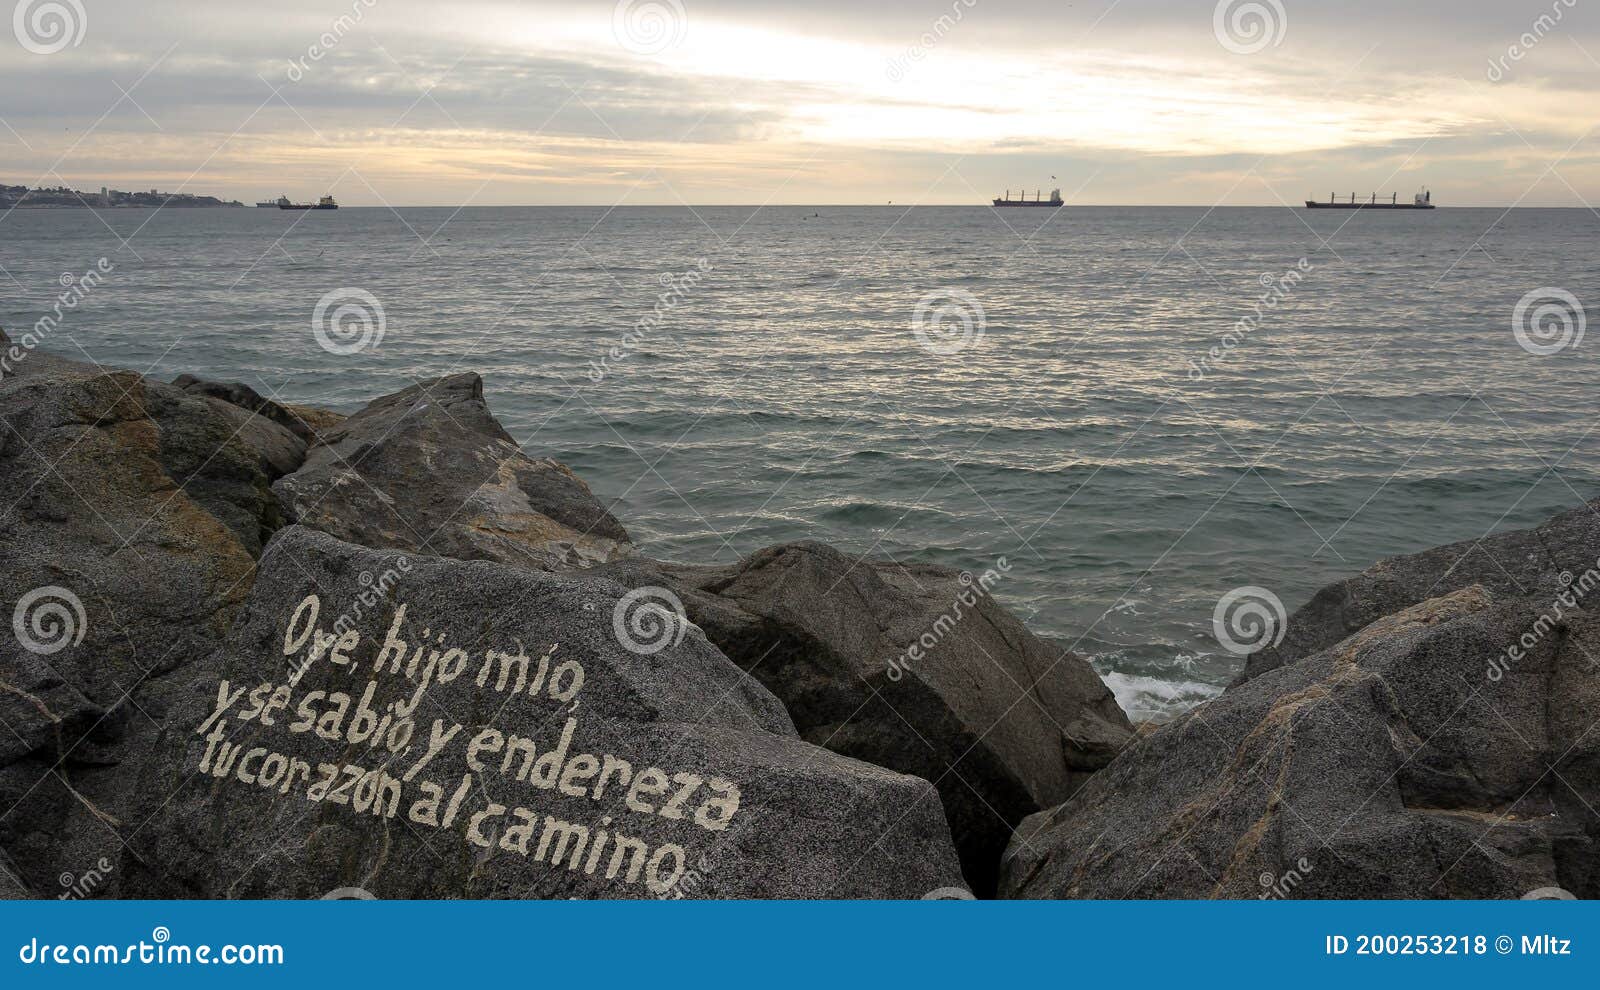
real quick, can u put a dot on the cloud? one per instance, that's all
(819, 102)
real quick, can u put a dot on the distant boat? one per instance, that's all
(1037, 200)
(267, 205)
(1422, 201)
(325, 203)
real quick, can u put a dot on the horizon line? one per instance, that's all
(684, 206)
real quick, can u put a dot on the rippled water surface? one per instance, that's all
(1383, 405)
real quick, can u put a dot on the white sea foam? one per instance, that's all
(1151, 699)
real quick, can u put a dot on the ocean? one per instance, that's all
(1141, 410)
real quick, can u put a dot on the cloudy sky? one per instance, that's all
(1488, 102)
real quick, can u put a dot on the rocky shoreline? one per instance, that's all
(261, 650)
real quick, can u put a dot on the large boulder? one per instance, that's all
(424, 727)
(429, 470)
(247, 398)
(1536, 563)
(131, 514)
(1444, 751)
(913, 667)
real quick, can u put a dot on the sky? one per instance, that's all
(491, 102)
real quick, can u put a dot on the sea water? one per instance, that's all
(1141, 410)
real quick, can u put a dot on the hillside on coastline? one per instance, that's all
(22, 197)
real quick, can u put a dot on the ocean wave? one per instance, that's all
(1154, 699)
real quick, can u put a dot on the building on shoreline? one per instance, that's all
(12, 197)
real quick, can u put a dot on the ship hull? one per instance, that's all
(1028, 202)
(1313, 205)
(305, 206)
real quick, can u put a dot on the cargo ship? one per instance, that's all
(1037, 200)
(1422, 201)
(325, 203)
(267, 204)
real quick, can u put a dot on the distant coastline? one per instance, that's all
(21, 197)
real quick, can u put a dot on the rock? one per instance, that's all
(1003, 722)
(516, 759)
(429, 470)
(320, 421)
(281, 451)
(1414, 759)
(12, 887)
(1522, 563)
(130, 517)
(19, 358)
(250, 400)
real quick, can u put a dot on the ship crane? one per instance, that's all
(1421, 201)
